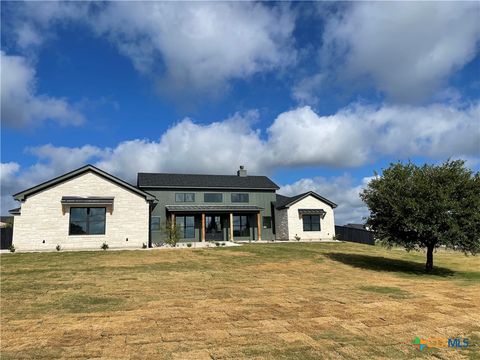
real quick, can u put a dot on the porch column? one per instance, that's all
(203, 227)
(259, 229)
(230, 228)
(172, 220)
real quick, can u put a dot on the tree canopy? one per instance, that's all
(424, 207)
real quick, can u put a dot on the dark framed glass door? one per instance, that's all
(213, 228)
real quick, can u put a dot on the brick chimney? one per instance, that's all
(242, 172)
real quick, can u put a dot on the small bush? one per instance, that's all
(189, 245)
(144, 246)
(223, 244)
(217, 244)
(12, 248)
(104, 246)
(58, 247)
(336, 237)
(297, 237)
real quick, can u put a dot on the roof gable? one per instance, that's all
(284, 202)
(80, 171)
(199, 181)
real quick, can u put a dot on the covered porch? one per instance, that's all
(217, 222)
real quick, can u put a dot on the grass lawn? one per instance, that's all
(270, 301)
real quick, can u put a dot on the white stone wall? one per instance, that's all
(281, 224)
(43, 218)
(295, 223)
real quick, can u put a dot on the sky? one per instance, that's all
(317, 96)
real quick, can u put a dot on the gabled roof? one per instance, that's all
(197, 181)
(65, 177)
(284, 202)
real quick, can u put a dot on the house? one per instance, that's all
(88, 207)
(307, 216)
(212, 207)
(82, 209)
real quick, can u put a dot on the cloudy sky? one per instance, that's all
(317, 96)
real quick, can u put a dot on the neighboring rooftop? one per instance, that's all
(198, 181)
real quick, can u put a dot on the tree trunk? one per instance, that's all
(429, 263)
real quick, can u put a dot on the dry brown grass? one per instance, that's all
(276, 301)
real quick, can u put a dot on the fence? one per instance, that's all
(361, 236)
(6, 237)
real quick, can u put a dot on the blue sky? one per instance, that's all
(316, 95)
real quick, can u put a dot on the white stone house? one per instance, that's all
(88, 207)
(82, 209)
(307, 216)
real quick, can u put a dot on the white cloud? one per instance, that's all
(406, 49)
(20, 103)
(191, 47)
(343, 190)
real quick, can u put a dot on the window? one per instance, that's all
(213, 197)
(267, 222)
(187, 226)
(238, 197)
(185, 197)
(87, 221)
(155, 223)
(311, 222)
(241, 226)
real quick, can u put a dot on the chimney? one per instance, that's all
(242, 172)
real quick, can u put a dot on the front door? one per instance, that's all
(213, 228)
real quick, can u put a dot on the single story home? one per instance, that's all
(88, 207)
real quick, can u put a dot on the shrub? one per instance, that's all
(172, 232)
(144, 246)
(336, 237)
(12, 248)
(189, 245)
(58, 247)
(297, 237)
(104, 246)
(223, 244)
(217, 244)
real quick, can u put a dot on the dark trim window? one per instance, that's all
(267, 222)
(185, 197)
(155, 223)
(87, 221)
(311, 222)
(240, 198)
(213, 197)
(241, 227)
(187, 226)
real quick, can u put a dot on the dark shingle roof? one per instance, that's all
(163, 180)
(284, 201)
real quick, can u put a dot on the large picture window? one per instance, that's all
(187, 226)
(240, 225)
(311, 222)
(185, 197)
(87, 221)
(213, 197)
(240, 198)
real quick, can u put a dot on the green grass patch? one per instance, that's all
(393, 292)
(89, 303)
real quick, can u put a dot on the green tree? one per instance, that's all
(172, 232)
(424, 207)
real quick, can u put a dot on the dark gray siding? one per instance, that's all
(259, 198)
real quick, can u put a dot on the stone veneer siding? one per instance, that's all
(43, 218)
(295, 223)
(281, 224)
